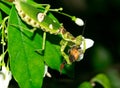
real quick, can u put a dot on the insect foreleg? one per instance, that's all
(47, 9)
(63, 44)
(36, 4)
(42, 6)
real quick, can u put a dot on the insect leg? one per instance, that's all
(63, 44)
(41, 51)
(84, 44)
(42, 6)
(36, 4)
(47, 9)
(44, 39)
(32, 30)
(23, 28)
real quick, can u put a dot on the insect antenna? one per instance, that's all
(83, 31)
(78, 21)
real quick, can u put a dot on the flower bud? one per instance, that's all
(79, 22)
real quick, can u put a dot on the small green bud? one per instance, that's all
(78, 21)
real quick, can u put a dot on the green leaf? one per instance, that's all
(4, 8)
(52, 53)
(7, 2)
(0, 17)
(103, 80)
(85, 85)
(26, 65)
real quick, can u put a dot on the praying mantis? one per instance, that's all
(39, 19)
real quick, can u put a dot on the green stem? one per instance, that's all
(3, 27)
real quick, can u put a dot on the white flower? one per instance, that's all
(5, 77)
(86, 43)
(79, 22)
(80, 57)
(46, 73)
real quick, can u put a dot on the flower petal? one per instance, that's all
(46, 73)
(5, 77)
(80, 57)
(89, 43)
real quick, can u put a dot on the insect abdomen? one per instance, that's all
(29, 14)
(26, 14)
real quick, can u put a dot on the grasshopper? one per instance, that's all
(40, 19)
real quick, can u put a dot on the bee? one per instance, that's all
(75, 54)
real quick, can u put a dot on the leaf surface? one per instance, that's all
(26, 65)
(103, 80)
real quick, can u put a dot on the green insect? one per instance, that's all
(39, 19)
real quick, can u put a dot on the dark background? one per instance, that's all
(102, 24)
